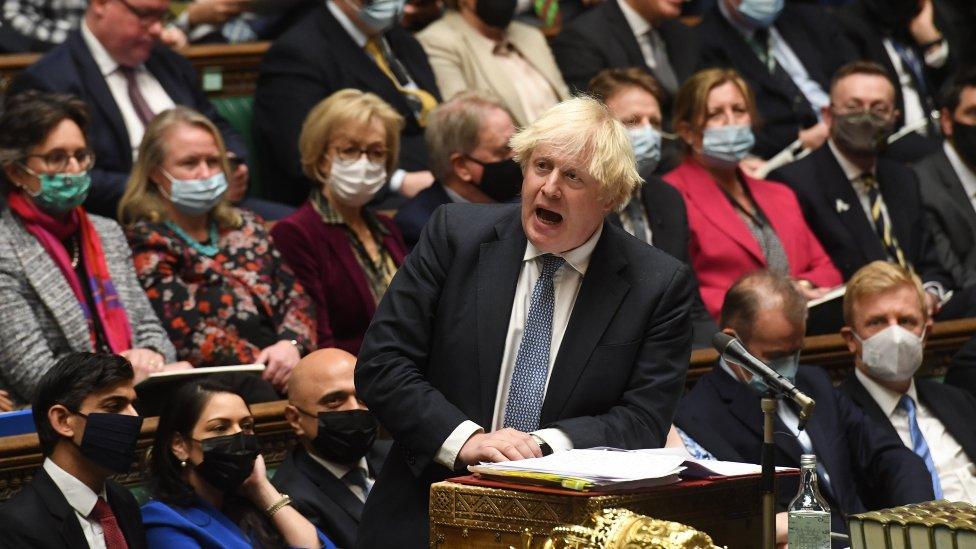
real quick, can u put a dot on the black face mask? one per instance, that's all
(502, 180)
(495, 13)
(964, 142)
(344, 437)
(228, 460)
(109, 440)
(861, 134)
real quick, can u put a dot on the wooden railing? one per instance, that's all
(224, 70)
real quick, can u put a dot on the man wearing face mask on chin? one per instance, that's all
(860, 465)
(87, 430)
(886, 323)
(342, 44)
(331, 471)
(467, 140)
(862, 206)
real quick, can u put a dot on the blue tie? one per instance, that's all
(696, 450)
(532, 363)
(919, 446)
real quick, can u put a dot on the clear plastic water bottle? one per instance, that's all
(809, 514)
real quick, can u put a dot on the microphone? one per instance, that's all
(731, 349)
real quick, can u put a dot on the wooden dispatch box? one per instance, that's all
(468, 512)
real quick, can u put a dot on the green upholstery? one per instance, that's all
(239, 112)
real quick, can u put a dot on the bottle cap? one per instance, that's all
(808, 460)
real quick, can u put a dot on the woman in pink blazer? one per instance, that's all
(738, 224)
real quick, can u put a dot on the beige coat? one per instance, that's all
(460, 64)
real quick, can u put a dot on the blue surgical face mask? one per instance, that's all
(725, 146)
(381, 15)
(197, 196)
(646, 142)
(60, 192)
(760, 13)
(785, 366)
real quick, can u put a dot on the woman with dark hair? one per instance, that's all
(209, 484)
(66, 277)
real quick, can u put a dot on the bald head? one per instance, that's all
(323, 381)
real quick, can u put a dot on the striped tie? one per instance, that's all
(919, 445)
(421, 102)
(881, 226)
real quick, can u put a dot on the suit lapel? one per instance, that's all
(599, 297)
(331, 486)
(69, 529)
(538, 59)
(793, 33)
(954, 422)
(179, 94)
(48, 283)
(128, 520)
(502, 87)
(499, 264)
(859, 394)
(98, 93)
(619, 30)
(710, 199)
(347, 258)
(841, 191)
(748, 62)
(948, 177)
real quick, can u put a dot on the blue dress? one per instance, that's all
(201, 526)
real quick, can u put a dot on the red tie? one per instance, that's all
(110, 527)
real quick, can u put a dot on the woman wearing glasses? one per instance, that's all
(209, 269)
(344, 254)
(66, 277)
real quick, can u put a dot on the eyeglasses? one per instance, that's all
(881, 111)
(147, 17)
(352, 154)
(56, 161)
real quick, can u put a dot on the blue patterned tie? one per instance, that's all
(532, 363)
(696, 450)
(919, 446)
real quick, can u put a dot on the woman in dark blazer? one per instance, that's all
(738, 224)
(344, 254)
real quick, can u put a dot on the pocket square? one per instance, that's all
(842, 206)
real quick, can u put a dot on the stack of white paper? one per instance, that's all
(710, 468)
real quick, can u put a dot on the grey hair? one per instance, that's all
(454, 127)
(756, 291)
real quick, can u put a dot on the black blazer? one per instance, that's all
(953, 406)
(950, 216)
(40, 517)
(71, 68)
(847, 236)
(432, 356)
(413, 215)
(962, 368)
(812, 34)
(600, 39)
(669, 228)
(309, 62)
(869, 467)
(322, 498)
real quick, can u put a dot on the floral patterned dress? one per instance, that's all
(224, 309)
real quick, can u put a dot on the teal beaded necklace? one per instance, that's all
(210, 249)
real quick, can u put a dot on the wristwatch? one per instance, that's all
(546, 449)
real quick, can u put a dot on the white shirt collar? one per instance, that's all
(850, 170)
(578, 258)
(351, 29)
(886, 399)
(454, 196)
(965, 173)
(103, 59)
(638, 25)
(340, 470)
(80, 497)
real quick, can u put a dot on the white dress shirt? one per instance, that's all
(340, 470)
(454, 196)
(957, 474)
(81, 498)
(566, 284)
(966, 174)
(153, 92)
(643, 32)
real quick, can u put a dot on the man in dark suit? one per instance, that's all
(467, 141)
(87, 430)
(116, 65)
(949, 182)
(787, 58)
(886, 322)
(514, 331)
(860, 465)
(338, 45)
(962, 368)
(330, 473)
(629, 33)
(862, 206)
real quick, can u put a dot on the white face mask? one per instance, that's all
(356, 183)
(893, 354)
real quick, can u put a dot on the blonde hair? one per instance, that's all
(880, 277)
(142, 200)
(583, 127)
(343, 107)
(455, 127)
(691, 102)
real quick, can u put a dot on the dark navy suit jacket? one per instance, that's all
(412, 216)
(71, 68)
(869, 467)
